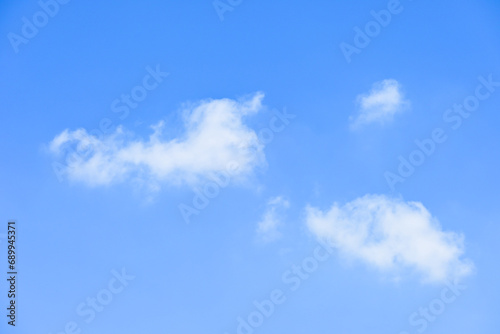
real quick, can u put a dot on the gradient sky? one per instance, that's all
(75, 234)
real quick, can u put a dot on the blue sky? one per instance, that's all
(228, 167)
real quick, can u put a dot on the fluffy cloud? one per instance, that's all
(384, 100)
(391, 235)
(215, 139)
(268, 227)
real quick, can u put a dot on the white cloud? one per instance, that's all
(268, 227)
(215, 139)
(391, 235)
(384, 100)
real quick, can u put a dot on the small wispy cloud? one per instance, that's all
(391, 235)
(384, 100)
(268, 227)
(215, 136)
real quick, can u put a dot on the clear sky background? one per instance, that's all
(230, 72)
